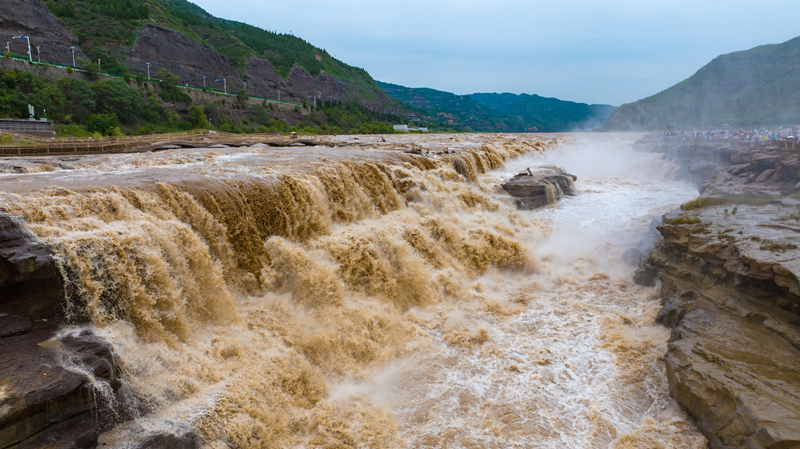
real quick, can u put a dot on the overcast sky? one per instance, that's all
(591, 51)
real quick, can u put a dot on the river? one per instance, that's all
(367, 298)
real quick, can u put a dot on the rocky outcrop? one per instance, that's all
(49, 383)
(729, 266)
(33, 18)
(27, 270)
(546, 185)
(190, 60)
(186, 58)
(57, 389)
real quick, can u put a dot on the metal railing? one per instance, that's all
(38, 146)
(184, 86)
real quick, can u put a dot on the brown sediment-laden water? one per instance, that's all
(364, 296)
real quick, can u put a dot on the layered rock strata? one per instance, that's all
(729, 266)
(53, 387)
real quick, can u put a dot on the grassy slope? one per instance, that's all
(101, 32)
(548, 114)
(463, 110)
(760, 86)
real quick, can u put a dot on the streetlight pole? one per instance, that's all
(148, 71)
(98, 64)
(38, 55)
(279, 95)
(8, 47)
(26, 38)
(73, 56)
(245, 87)
(224, 85)
(204, 81)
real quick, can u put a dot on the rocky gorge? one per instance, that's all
(729, 265)
(117, 272)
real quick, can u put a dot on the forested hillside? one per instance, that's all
(760, 86)
(548, 114)
(459, 111)
(501, 112)
(177, 35)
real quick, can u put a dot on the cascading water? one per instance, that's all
(347, 298)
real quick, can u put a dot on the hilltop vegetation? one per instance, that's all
(116, 107)
(461, 112)
(105, 28)
(760, 86)
(501, 112)
(548, 114)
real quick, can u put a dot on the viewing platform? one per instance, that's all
(37, 146)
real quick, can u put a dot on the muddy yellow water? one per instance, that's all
(367, 296)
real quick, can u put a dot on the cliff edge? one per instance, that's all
(729, 266)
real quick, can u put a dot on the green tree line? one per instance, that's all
(120, 106)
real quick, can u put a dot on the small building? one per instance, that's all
(401, 128)
(35, 128)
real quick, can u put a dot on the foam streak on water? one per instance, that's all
(368, 298)
(579, 366)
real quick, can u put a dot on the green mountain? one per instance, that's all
(500, 112)
(760, 86)
(548, 114)
(457, 111)
(181, 37)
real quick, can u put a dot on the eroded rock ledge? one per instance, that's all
(729, 266)
(45, 399)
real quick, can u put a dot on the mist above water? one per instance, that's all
(574, 358)
(377, 302)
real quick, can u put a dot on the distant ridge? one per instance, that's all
(490, 112)
(548, 114)
(760, 86)
(460, 112)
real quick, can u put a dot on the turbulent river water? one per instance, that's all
(369, 298)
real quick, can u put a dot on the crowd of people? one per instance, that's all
(757, 135)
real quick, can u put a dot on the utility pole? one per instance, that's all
(8, 47)
(73, 56)
(26, 38)
(98, 64)
(204, 80)
(38, 55)
(279, 95)
(148, 71)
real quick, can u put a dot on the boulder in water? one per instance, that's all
(546, 185)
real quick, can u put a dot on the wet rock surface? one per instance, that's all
(546, 185)
(729, 266)
(49, 384)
